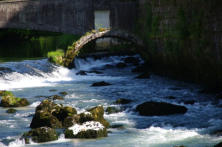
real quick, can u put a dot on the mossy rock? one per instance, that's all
(57, 97)
(42, 134)
(45, 119)
(111, 110)
(56, 57)
(65, 112)
(63, 93)
(90, 129)
(9, 100)
(97, 113)
(11, 110)
(86, 134)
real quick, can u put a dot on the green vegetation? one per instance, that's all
(16, 44)
(56, 57)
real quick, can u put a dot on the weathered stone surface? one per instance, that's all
(159, 109)
(11, 110)
(97, 113)
(103, 83)
(91, 129)
(9, 100)
(38, 135)
(111, 110)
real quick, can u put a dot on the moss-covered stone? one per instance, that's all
(38, 135)
(11, 110)
(9, 100)
(97, 113)
(56, 57)
(91, 129)
(111, 110)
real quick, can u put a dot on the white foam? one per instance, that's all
(17, 143)
(90, 125)
(35, 104)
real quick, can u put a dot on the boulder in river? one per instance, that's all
(57, 97)
(111, 110)
(11, 110)
(123, 101)
(45, 115)
(89, 129)
(97, 114)
(9, 100)
(160, 109)
(63, 93)
(81, 72)
(121, 65)
(42, 134)
(102, 83)
(132, 60)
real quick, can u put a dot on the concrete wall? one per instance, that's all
(68, 16)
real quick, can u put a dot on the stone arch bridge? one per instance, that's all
(96, 34)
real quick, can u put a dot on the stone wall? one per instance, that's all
(184, 38)
(68, 16)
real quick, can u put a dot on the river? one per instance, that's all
(34, 79)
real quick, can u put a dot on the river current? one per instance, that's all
(35, 79)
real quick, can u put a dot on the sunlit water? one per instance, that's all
(33, 79)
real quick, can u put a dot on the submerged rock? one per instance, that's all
(97, 84)
(63, 93)
(97, 114)
(111, 110)
(81, 72)
(90, 129)
(57, 97)
(95, 71)
(145, 75)
(121, 65)
(132, 60)
(123, 101)
(11, 110)
(38, 135)
(159, 109)
(9, 100)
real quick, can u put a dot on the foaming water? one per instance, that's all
(38, 79)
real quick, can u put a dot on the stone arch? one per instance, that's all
(96, 34)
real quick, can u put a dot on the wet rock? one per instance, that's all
(171, 97)
(65, 112)
(218, 145)
(52, 90)
(189, 102)
(11, 110)
(45, 115)
(63, 93)
(145, 75)
(6, 69)
(42, 134)
(121, 65)
(97, 84)
(139, 69)
(9, 100)
(90, 129)
(95, 71)
(111, 110)
(123, 101)
(117, 126)
(132, 60)
(57, 97)
(159, 109)
(81, 72)
(97, 114)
